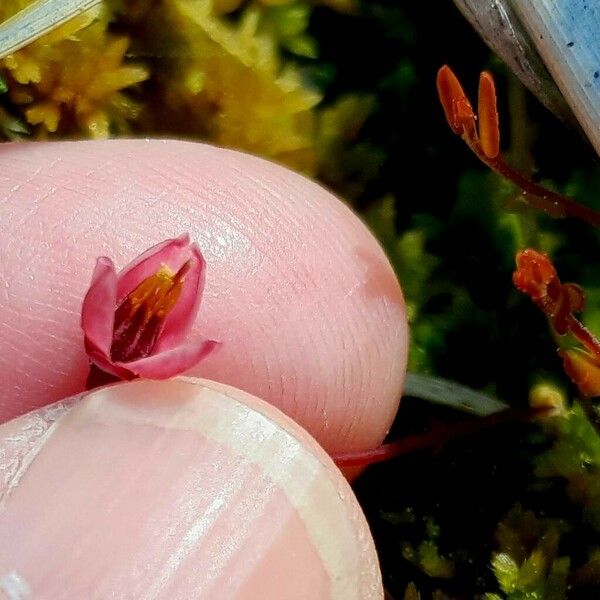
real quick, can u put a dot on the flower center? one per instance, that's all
(140, 317)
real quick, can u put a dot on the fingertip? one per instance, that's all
(306, 305)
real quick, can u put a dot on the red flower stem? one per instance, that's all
(584, 335)
(437, 437)
(97, 377)
(551, 202)
(544, 199)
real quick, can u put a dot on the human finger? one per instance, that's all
(307, 307)
(176, 489)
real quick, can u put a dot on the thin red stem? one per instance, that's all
(542, 198)
(551, 202)
(437, 437)
(584, 335)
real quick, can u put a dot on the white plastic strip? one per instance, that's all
(567, 37)
(38, 19)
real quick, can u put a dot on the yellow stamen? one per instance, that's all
(139, 318)
(157, 294)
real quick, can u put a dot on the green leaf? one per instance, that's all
(533, 570)
(556, 585)
(432, 563)
(506, 571)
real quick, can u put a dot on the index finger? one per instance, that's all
(307, 306)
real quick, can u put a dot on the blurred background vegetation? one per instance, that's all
(344, 91)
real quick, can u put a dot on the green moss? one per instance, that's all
(527, 565)
(574, 457)
(426, 556)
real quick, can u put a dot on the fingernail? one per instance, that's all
(176, 489)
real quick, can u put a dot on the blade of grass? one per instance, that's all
(451, 394)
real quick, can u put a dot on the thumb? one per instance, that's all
(177, 489)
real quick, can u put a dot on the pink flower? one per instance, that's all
(136, 323)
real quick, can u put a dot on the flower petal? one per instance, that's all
(104, 362)
(584, 371)
(171, 362)
(173, 253)
(98, 309)
(179, 321)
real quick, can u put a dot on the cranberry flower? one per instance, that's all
(537, 277)
(136, 323)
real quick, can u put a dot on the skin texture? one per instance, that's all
(308, 310)
(176, 490)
